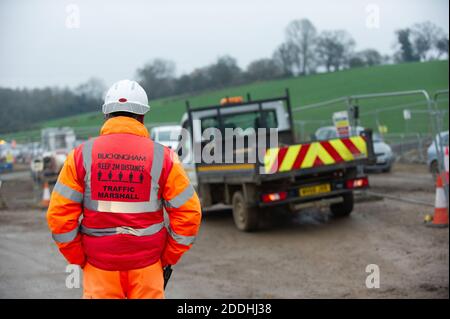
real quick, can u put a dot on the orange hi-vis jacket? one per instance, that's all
(119, 183)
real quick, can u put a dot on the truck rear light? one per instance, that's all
(273, 197)
(357, 183)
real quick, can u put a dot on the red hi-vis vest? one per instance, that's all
(123, 221)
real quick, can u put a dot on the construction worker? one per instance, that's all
(119, 183)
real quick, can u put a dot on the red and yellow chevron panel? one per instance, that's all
(315, 154)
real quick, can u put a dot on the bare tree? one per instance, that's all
(157, 77)
(372, 57)
(303, 35)
(286, 56)
(263, 69)
(225, 71)
(356, 61)
(368, 57)
(405, 52)
(334, 49)
(425, 36)
(442, 47)
(93, 88)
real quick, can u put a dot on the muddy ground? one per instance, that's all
(307, 255)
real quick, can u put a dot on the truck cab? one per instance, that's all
(270, 115)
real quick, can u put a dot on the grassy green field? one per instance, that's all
(430, 76)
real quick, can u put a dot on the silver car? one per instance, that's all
(432, 160)
(385, 156)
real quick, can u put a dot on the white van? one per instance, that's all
(167, 135)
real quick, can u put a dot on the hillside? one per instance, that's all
(431, 76)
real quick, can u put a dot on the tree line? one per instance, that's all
(23, 109)
(305, 50)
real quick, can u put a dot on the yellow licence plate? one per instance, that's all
(314, 190)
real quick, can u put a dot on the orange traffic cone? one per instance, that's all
(45, 196)
(440, 218)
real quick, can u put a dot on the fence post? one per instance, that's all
(421, 149)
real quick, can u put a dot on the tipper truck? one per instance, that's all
(288, 175)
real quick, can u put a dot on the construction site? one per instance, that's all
(310, 185)
(308, 253)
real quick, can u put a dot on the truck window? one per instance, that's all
(164, 136)
(208, 122)
(250, 120)
(60, 141)
(243, 120)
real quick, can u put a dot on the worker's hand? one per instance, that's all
(82, 265)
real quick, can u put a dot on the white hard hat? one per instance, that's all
(126, 96)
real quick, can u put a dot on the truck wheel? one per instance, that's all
(245, 218)
(344, 208)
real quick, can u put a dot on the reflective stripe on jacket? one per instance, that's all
(119, 182)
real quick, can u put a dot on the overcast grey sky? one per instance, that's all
(114, 38)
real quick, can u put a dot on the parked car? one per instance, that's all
(383, 152)
(432, 160)
(168, 135)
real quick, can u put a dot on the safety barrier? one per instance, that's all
(352, 102)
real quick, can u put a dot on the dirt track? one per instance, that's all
(307, 256)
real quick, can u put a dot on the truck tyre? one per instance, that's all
(245, 217)
(387, 169)
(344, 208)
